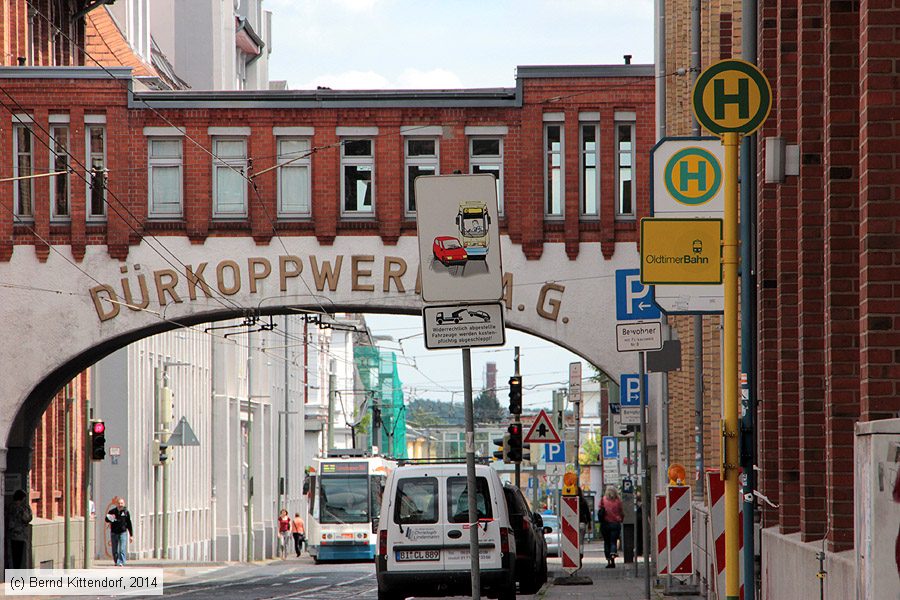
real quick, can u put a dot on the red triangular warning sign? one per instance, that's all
(542, 431)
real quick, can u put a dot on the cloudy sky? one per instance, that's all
(390, 44)
(427, 44)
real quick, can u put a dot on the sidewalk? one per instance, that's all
(607, 584)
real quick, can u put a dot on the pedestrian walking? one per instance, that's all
(18, 516)
(284, 532)
(298, 530)
(611, 516)
(120, 531)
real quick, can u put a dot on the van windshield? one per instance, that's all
(458, 499)
(417, 501)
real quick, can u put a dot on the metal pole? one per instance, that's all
(470, 473)
(645, 477)
(748, 312)
(730, 372)
(517, 419)
(67, 494)
(698, 402)
(157, 383)
(660, 52)
(698, 319)
(164, 436)
(249, 527)
(86, 490)
(332, 380)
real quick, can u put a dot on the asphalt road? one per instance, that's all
(294, 578)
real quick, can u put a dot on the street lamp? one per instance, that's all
(164, 413)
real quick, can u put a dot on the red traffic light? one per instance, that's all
(99, 427)
(514, 429)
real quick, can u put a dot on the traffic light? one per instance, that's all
(163, 452)
(503, 453)
(514, 444)
(98, 440)
(515, 395)
(526, 453)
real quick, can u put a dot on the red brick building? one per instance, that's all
(567, 144)
(828, 254)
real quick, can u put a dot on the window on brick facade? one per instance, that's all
(421, 159)
(23, 166)
(625, 170)
(59, 164)
(590, 170)
(294, 182)
(164, 156)
(357, 181)
(554, 187)
(486, 156)
(95, 144)
(229, 183)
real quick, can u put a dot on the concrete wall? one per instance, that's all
(789, 569)
(48, 542)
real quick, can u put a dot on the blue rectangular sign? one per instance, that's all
(630, 391)
(555, 453)
(610, 447)
(634, 300)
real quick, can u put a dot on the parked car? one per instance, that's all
(423, 541)
(531, 548)
(551, 533)
(449, 251)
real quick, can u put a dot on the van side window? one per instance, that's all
(417, 501)
(458, 499)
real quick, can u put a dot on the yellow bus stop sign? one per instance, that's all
(731, 96)
(681, 251)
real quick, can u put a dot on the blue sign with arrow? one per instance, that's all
(634, 300)
(630, 391)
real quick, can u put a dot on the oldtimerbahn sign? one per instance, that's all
(686, 251)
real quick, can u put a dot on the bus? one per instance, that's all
(474, 224)
(343, 498)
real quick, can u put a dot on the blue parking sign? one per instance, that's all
(630, 391)
(555, 453)
(634, 300)
(610, 447)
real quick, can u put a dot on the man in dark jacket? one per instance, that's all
(119, 526)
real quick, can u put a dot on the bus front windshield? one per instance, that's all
(344, 499)
(474, 226)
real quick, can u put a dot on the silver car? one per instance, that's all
(551, 522)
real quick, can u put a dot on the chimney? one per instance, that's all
(627, 58)
(21, 61)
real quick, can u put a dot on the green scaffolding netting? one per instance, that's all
(378, 375)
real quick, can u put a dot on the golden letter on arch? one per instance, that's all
(554, 303)
(105, 315)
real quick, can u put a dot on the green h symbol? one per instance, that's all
(742, 98)
(685, 175)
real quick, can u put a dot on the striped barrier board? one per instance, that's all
(679, 524)
(569, 538)
(715, 490)
(662, 535)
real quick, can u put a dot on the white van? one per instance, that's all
(423, 540)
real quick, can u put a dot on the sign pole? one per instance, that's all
(730, 376)
(470, 472)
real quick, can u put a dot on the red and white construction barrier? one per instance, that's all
(679, 524)
(715, 489)
(569, 538)
(662, 535)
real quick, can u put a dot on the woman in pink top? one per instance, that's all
(611, 517)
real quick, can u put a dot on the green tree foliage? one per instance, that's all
(422, 412)
(487, 408)
(591, 449)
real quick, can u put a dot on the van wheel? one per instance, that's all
(389, 595)
(508, 593)
(531, 582)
